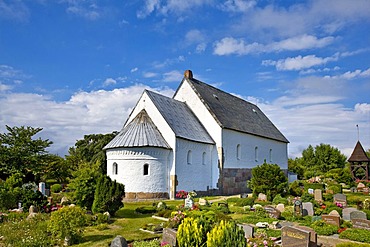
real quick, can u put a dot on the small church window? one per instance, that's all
(115, 168)
(238, 152)
(256, 153)
(189, 158)
(204, 158)
(146, 169)
(270, 155)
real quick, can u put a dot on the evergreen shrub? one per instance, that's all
(56, 188)
(360, 235)
(226, 234)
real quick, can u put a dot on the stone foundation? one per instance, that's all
(234, 180)
(136, 196)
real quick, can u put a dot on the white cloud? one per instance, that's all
(172, 76)
(109, 81)
(229, 45)
(349, 75)
(86, 9)
(14, 10)
(134, 69)
(4, 87)
(237, 5)
(149, 74)
(65, 122)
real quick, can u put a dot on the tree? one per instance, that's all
(21, 152)
(57, 168)
(268, 179)
(294, 165)
(90, 150)
(321, 159)
(108, 195)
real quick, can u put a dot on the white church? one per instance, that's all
(201, 139)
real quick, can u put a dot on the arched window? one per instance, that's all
(146, 169)
(238, 152)
(115, 168)
(270, 155)
(189, 158)
(204, 158)
(256, 154)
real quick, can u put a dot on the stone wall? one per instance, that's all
(234, 180)
(134, 196)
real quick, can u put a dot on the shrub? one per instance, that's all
(35, 198)
(360, 235)
(279, 199)
(151, 243)
(322, 228)
(56, 188)
(241, 202)
(336, 188)
(67, 222)
(226, 234)
(313, 186)
(306, 197)
(296, 188)
(25, 233)
(268, 179)
(191, 232)
(366, 204)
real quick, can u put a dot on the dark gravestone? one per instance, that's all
(248, 230)
(313, 235)
(119, 241)
(331, 219)
(361, 223)
(169, 236)
(297, 208)
(307, 209)
(356, 214)
(340, 198)
(294, 237)
(273, 212)
(346, 213)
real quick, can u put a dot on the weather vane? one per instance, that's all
(358, 133)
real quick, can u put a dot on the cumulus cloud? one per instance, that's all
(14, 10)
(229, 45)
(353, 74)
(65, 122)
(149, 74)
(86, 9)
(237, 5)
(109, 81)
(172, 76)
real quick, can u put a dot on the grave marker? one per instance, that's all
(346, 213)
(356, 214)
(169, 236)
(340, 198)
(361, 223)
(331, 219)
(318, 195)
(307, 209)
(294, 237)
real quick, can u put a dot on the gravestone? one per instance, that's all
(365, 190)
(340, 198)
(280, 207)
(262, 197)
(169, 236)
(307, 209)
(310, 191)
(262, 224)
(42, 188)
(361, 223)
(353, 189)
(202, 202)
(318, 195)
(248, 230)
(298, 208)
(119, 241)
(356, 214)
(189, 203)
(331, 219)
(294, 237)
(273, 212)
(334, 213)
(32, 212)
(360, 186)
(313, 235)
(346, 213)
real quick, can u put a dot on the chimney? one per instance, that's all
(188, 74)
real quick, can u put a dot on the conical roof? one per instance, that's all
(140, 132)
(359, 154)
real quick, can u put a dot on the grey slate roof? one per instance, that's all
(180, 118)
(234, 113)
(140, 132)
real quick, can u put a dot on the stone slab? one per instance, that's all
(361, 223)
(169, 236)
(307, 209)
(294, 237)
(331, 219)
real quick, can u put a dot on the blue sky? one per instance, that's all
(76, 67)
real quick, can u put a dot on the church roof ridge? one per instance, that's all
(358, 154)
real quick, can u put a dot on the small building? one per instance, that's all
(201, 139)
(359, 163)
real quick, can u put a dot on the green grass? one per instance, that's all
(125, 223)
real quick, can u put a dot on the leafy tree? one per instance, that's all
(90, 150)
(83, 185)
(21, 152)
(268, 179)
(295, 165)
(108, 195)
(321, 159)
(57, 168)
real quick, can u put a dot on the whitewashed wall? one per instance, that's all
(196, 176)
(231, 139)
(146, 103)
(186, 94)
(131, 168)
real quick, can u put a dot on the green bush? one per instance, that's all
(279, 199)
(56, 188)
(322, 228)
(67, 222)
(352, 245)
(327, 197)
(226, 234)
(306, 197)
(25, 233)
(151, 243)
(191, 232)
(336, 188)
(241, 202)
(296, 188)
(360, 235)
(313, 186)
